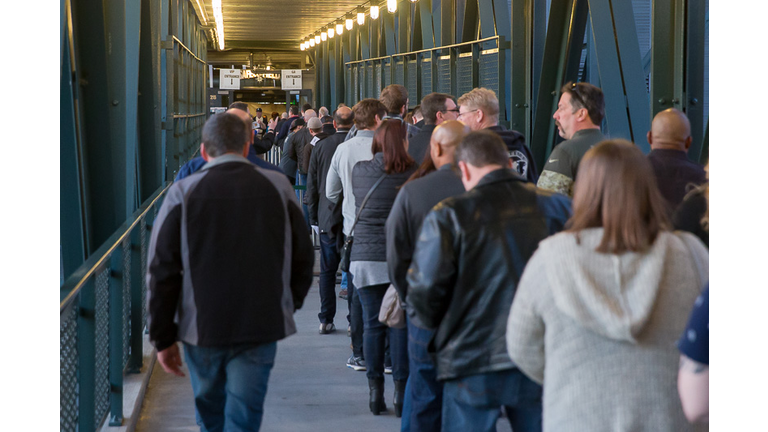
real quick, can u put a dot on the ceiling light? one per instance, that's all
(312, 42)
(324, 35)
(350, 23)
(331, 32)
(360, 18)
(219, 18)
(339, 28)
(374, 12)
(414, 1)
(302, 46)
(317, 39)
(392, 6)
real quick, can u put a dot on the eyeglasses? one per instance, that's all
(461, 114)
(575, 93)
(450, 110)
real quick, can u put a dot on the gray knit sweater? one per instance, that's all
(599, 331)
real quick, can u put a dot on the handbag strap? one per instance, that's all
(365, 200)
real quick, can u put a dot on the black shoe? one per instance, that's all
(356, 363)
(326, 328)
(399, 397)
(376, 402)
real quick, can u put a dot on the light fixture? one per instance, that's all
(392, 6)
(323, 35)
(302, 46)
(331, 32)
(219, 18)
(339, 28)
(414, 1)
(374, 12)
(317, 39)
(350, 23)
(267, 67)
(312, 42)
(360, 15)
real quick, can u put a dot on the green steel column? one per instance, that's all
(404, 28)
(472, 17)
(72, 214)
(562, 52)
(86, 349)
(667, 55)
(693, 104)
(621, 72)
(116, 336)
(166, 92)
(447, 23)
(437, 21)
(416, 43)
(389, 32)
(365, 39)
(487, 22)
(136, 359)
(503, 23)
(333, 49)
(374, 28)
(150, 134)
(520, 70)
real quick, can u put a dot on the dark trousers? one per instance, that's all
(329, 263)
(374, 338)
(473, 402)
(423, 393)
(355, 316)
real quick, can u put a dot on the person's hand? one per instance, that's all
(272, 124)
(170, 360)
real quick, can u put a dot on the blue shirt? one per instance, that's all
(195, 164)
(694, 343)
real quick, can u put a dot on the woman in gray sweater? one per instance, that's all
(600, 306)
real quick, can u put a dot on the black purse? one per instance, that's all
(346, 249)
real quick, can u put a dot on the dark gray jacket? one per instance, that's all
(369, 234)
(322, 212)
(418, 146)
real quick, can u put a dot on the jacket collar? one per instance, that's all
(672, 154)
(225, 158)
(365, 133)
(342, 131)
(586, 132)
(500, 175)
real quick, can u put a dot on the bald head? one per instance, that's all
(244, 116)
(670, 130)
(445, 138)
(308, 114)
(343, 118)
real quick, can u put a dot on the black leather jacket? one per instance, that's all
(469, 257)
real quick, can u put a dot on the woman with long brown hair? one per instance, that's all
(600, 306)
(382, 176)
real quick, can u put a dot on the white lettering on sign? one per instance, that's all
(291, 79)
(229, 79)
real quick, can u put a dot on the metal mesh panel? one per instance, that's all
(360, 82)
(387, 73)
(412, 85)
(355, 88)
(144, 246)
(348, 91)
(399, 73)
(68, 361)
(369, 81)
(101, 373)
(489, 72)
(464, 75)
(126, 301)
(426, 77)
(444, 75)
(377, 73)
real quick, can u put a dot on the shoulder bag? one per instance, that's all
(346, 250)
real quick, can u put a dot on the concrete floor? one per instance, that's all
(310, 388)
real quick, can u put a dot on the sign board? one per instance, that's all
(229, 79)
(291, 79)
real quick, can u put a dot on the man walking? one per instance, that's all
(469, 256)
(230, 260)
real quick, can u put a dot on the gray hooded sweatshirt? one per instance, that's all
(599, 331)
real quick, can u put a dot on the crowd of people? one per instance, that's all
(556, 296)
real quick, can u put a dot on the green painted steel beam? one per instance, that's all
(116, 275)
(621, 71)
(403, 28)
(261, 45)
(427, 30)
(388, 21)
(416, 44)
(472, 18)
(447, 22)
(520, 73)
(562, 52)
(503, 24)
(150, 172)
(667, 55)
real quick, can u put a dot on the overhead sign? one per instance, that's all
(291, 79)
(229, 79)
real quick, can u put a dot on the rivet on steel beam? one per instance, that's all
(115, 102)
(694, 101)
(525, 105)
(517, 105)
(662, 101)
(675, 101)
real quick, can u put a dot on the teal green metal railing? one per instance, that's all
(102, 321)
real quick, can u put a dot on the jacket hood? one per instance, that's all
(611, 295)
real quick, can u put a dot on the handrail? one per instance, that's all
(189, 50)
(79, 277)
(488, 39)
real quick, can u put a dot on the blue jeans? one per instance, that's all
(474, 402)
(355, 317)
(343, 280)
(230, 384)
(329, 263)
(423, 393)
(375, 333)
